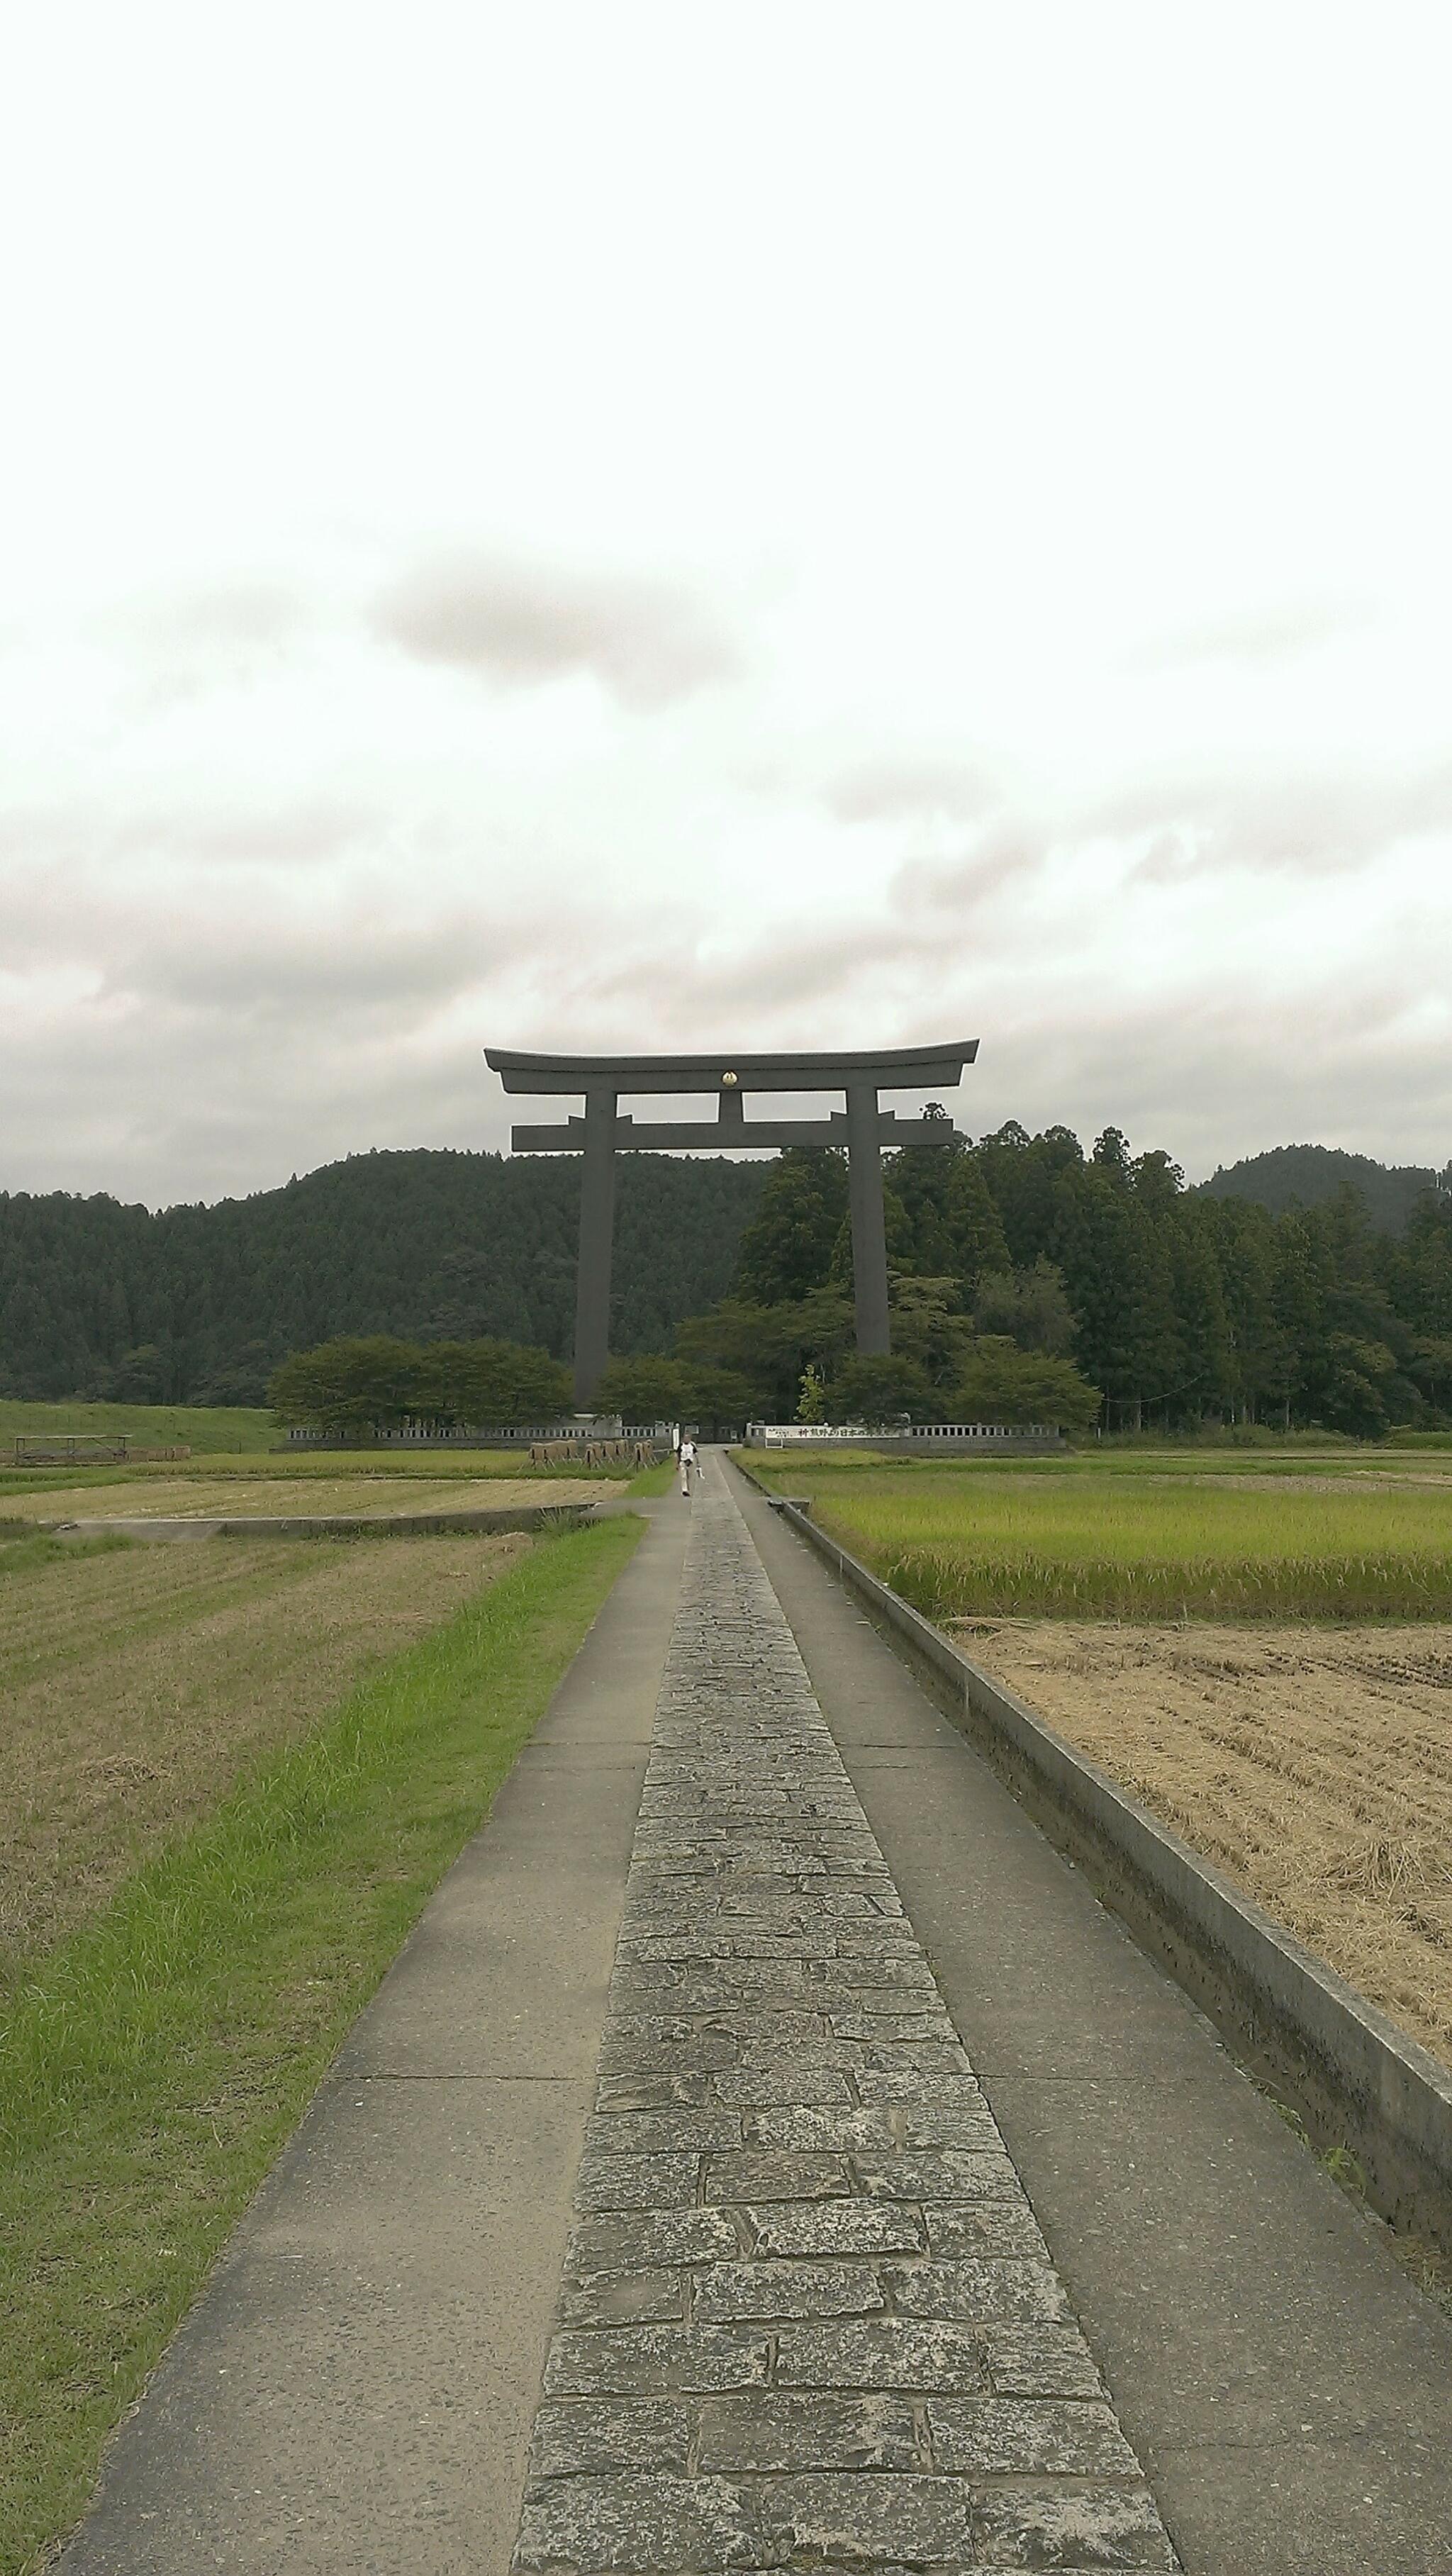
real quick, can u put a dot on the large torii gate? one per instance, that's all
(602, 1133)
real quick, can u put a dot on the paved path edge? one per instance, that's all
(1287, 2386)
(355, 2385)
(1357, 2082)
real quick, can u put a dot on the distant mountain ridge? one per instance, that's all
(1307, 1175)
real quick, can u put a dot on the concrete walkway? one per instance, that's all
(806, 2315)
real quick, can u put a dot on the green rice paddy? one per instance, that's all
(960, 1541)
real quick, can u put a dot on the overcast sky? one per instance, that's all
(637, 527)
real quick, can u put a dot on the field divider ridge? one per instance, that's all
(540, 1518)
(1356, 2082)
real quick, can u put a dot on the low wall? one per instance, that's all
(487, 1436)
(83, 1451)
(926, 1440)
(948, 1444)
(1355, 2080)
(159, 1530)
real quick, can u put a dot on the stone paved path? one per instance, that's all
(807, 2320)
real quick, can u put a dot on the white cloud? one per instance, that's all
(1263, 635)
(888, 790)
(567, 532)
(519, 624)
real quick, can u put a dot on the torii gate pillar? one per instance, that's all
(869, 1231)
(597, 1242)
(602, 1133)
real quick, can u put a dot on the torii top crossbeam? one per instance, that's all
(602, 1133)
(886, 1068)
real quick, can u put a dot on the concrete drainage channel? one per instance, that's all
(1351, 2076)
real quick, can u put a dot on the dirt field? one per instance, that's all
(205, 1497)
(1314, 1765)
(138, 1682)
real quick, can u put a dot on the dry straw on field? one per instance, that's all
(139, 1682)
(1313, 1764)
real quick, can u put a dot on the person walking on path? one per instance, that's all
(689, 1462)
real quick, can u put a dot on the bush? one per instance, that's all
(875, 1388)
(356, 1387)
(655, 1389)
(1000, 1383)
(649, 1389)
(486, 1381)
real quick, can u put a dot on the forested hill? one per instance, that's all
(1310, 1175)
(197, 1304)
(1181, 1298)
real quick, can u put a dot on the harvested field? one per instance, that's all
(138, 1682)
(1313, 1765)
(156, 2060)
(162, 1496)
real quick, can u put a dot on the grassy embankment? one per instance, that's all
(159, 1426)
(1085, 1541)
(164, 2022)
(236, 1444)
(655, 1480)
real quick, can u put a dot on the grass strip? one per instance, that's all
(300, 1468)
(23, 1549)
(654, 1480)
(151, 2067)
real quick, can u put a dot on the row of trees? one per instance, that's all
(1030, 1280)
(363, 1384)
(796, 1359)
(777, 1361)
(1026, 1274)
(197, 1305)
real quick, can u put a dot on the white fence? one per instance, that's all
(478, 1435)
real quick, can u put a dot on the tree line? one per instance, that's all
(199, 1305)
(362, 1384)
(1165, 1306)
(1030, 1280)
